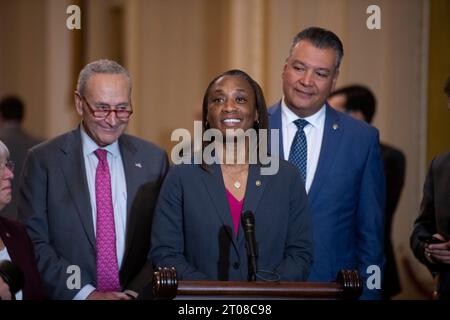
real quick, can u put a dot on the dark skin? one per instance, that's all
(231, 106)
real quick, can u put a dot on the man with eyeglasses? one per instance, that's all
(87, 196)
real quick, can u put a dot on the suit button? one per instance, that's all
(236, 265)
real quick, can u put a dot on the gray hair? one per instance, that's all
(447, 87)
(4, 152)
(322, 39)
(101, 66)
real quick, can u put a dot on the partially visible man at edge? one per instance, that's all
(87, 197)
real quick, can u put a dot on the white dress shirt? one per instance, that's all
(314, 135)
(119, 194)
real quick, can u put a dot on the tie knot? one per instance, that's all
(301, 123)
(101, 154)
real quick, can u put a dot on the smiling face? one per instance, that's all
(309, 76)
(103, 91)
(6, 176)
(231, 104)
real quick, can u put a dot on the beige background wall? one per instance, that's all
(173, 48)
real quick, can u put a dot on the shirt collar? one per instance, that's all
(315, 120)
(89, 146)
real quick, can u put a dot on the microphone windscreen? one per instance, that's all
(12, 275)
(248, 217)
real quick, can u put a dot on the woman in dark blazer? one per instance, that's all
(15, 244)
(197, 225)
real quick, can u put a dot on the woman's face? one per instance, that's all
(231, 104)
(6, 176)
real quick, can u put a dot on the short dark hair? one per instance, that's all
(12, 108)
(320, 38)
(359, 98)
(447, 87)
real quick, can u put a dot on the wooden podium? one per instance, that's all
(348, 285)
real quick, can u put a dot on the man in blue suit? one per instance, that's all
(342, 165)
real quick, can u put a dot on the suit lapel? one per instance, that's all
(71, 158)
(253, 193)
(275, 123)
(332, 135)
(254, 190)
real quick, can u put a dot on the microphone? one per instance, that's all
(12, 275)
(248, 224)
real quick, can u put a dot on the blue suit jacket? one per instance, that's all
(346, 198)
(193, 229)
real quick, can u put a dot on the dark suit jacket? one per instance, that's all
(394, 170)
(54, 204)
(18, 143)
(193, 229)
(434, 217)
(346, 198)
(21, 251)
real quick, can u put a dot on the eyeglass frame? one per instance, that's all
(7, 164)
(108, 111)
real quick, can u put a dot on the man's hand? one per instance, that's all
(439, 252)
(5, 293)
(96, 295)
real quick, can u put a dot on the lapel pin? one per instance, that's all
(8, 235)
(335, 126)
(138, 164)
(258, 183)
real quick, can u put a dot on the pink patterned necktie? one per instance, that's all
(107, 268)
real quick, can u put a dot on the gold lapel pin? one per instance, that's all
(335, 126)
(258, 183)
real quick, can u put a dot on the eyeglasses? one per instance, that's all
(7, 164)
(123, 113)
